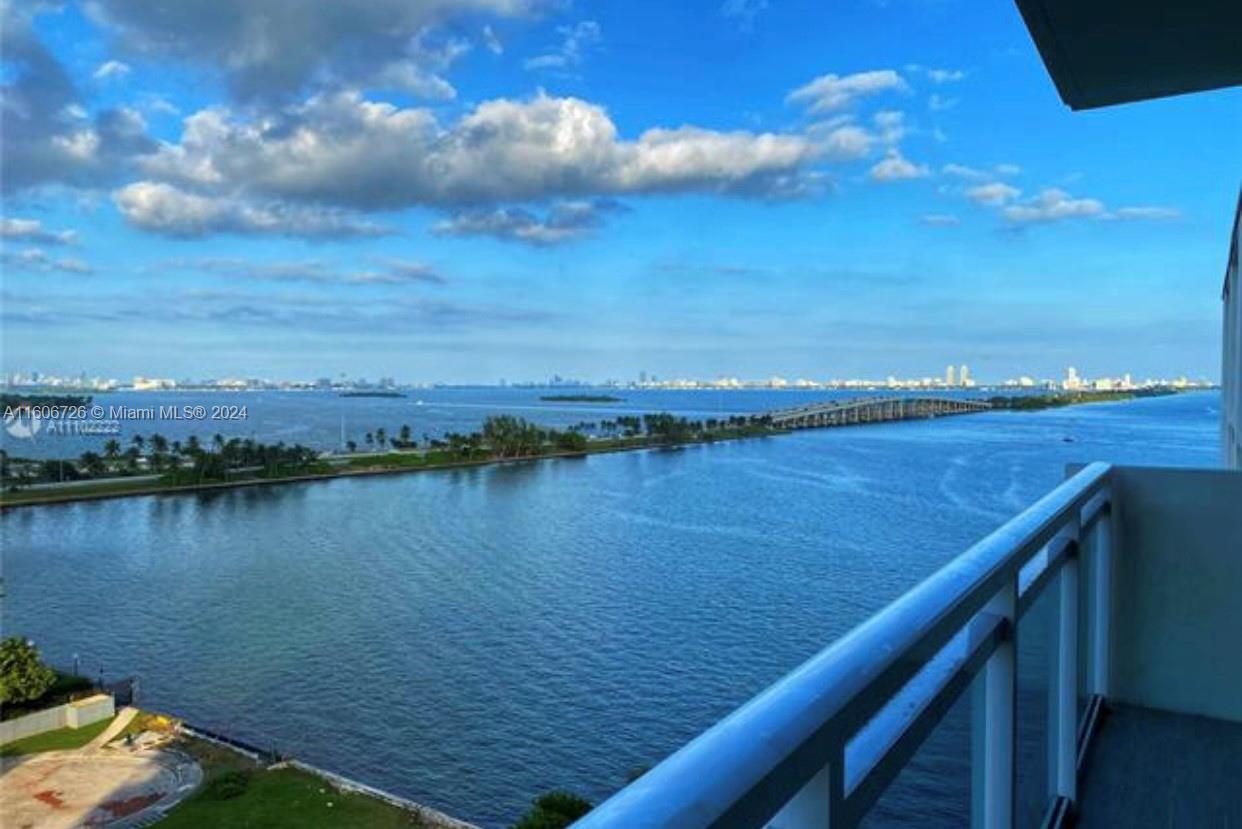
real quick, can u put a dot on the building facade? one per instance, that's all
(1231, 352)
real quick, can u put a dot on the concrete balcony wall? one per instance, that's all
(1177, 590)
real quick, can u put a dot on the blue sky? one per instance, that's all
(472, 189)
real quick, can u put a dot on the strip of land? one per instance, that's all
(167, 469)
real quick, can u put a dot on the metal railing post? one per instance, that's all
(993, 727)
(1063, 734)
(815, 804)
(1101, 600)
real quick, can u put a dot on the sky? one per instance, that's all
(468, 190)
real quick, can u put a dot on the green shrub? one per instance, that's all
(23, 676)
(227, 786)
(554, 810)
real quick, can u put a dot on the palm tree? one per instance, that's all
(381, 437)
(138, 442)
(351, 446)
(112, 448)
(92, 464)
(218, 441)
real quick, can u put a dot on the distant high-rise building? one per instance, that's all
(963, 376)
(1072, 380)
(949, 376)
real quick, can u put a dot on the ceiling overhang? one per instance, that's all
(1105, 52)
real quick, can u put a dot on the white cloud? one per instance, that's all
(945, 75)
(274, 48)
(390, 271)
(939, 220)
(744, 11)
(565, 221)
(843, 143)
(409, 76)
(978, 174)
(111, 69)
(345, 151)
(993, 194)
(1146, 213)
(492, 42)
(406, 270)
(32, 230)
(162, 208)
(576, 41)
(895, 167)
(833, 92)
(36, 259)
(891, 125)
(1052, 205)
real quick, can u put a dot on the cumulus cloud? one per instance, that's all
(829, 93)
(345, 151)
(111, 69)
(977, 174)
(891, 125)
(848, 142)
(1052, 205)
(32, 230)
(163, 208)
(38, 260)
(47, 136)
(274, 48)
(896, 167)
(993, 194)
(576, 41)
(565, 221)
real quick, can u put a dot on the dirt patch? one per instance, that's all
(51, 798)
(131, 805)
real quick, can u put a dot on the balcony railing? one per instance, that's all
(817, 748)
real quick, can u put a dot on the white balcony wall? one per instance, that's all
(1176, 575)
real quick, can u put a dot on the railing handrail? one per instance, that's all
(743, 769)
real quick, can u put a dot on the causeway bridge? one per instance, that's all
(872, 410)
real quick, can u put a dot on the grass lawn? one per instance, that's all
(58, 740)
(287, 799)
(38, 496)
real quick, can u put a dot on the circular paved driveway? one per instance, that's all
(64, 789)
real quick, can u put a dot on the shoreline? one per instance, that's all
(70, 497)
(81, 492)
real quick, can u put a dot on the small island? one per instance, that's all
(376, 393)
(582, 398)
(1055, 400)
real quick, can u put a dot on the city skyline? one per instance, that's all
(507, 190)
(955, 377)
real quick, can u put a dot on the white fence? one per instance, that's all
(75, 714)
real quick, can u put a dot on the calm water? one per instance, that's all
(471, 638)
